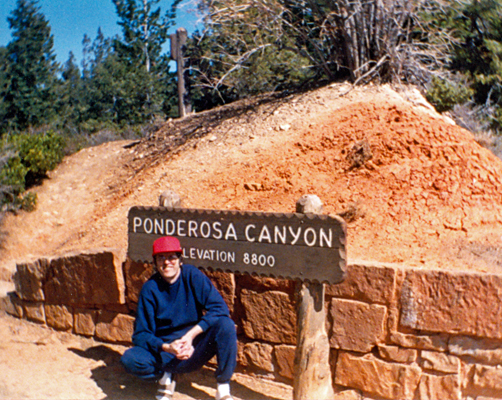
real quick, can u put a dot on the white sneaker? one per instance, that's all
(166, 392)
(226, 397)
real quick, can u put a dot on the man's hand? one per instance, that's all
(183, 348)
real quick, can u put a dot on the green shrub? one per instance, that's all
(13, 174)
(25, 159)
(39, 153)
(444, 94)
(28, 202)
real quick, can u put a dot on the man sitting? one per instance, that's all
(181, 323)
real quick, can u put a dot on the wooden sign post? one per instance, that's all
(312, 378)
(307, 246)
(178, 41)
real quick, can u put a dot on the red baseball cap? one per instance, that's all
(166, 244)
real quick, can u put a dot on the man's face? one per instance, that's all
(168, 265)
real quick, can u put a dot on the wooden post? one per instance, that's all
(169, 198)
(178, 40)
(312, 370)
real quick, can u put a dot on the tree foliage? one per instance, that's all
(444, 94)
(144, 71)
(244, 51)
(123, 81)
(30, 70)
(252, 46)
(477, 26)
(144, 31)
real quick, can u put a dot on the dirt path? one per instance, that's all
(39, 363)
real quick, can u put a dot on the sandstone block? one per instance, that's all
(259, 355)
(34, 311)
(85, 322)
(452, 302)
(344, 394)
(487, 378)
(377, 377)
(397, 354)
(241, 358)
(371, 284)
(58, 317)
(260, 284)
(269, 316)
(28, 280)
(485, 398)
(440, 362)
(485, 351)
(135, 275)
(225, 283)
(426, 342)
(435, 387)
(114, 327)
(349, 318)
(118, 308)
(12, 305)
(6, 274)
(85, 279)
(285, 357)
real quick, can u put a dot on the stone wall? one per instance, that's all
(395, 332)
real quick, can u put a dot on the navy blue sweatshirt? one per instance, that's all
(167, 311)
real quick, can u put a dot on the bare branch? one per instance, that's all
(383, 40)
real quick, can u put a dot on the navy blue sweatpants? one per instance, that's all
(219, 339)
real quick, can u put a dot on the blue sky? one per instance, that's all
(71, 19)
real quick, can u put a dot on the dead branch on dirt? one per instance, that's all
(374, 40)
(175, 135)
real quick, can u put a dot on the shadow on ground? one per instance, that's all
(117, 384)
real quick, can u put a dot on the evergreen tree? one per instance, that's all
(71, 97)
(116, 90)
(4, 83)
(144, 30)
(86, 56)
(479, 55)
(144, 72)
(31, 92)
(473, 29)
(99, 86)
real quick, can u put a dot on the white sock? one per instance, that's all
(223, 389)
(166, 378)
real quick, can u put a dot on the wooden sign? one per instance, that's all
(308, 247)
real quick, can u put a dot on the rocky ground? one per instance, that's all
(39, 363)
(414, 188)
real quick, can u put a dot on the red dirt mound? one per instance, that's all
(414, 188)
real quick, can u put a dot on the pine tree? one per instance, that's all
(101, 79)
(145, 70)
(144, 30)
(71, 99)
(479, 26)
(3, 83)
(31, 92)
